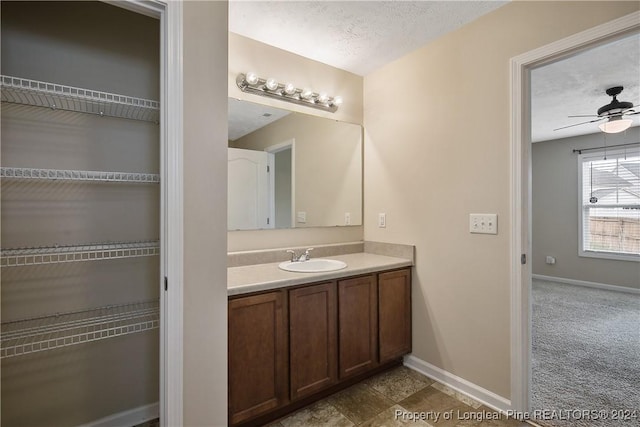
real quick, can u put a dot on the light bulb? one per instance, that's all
(289, 89)
(272, 84)
(323, 98)
(615, 125)
(306, 93)
(251, 78)
(337, 100)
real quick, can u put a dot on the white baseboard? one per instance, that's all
(128, 418)
(586, 284)
(461, 385)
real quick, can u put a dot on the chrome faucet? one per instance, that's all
(300, 258)
(305, 256)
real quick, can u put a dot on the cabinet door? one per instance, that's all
(312, 338)
(394, 311)
(257, 355)
(358, 319)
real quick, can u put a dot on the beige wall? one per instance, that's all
(555, 213)
(328, 165)
(436, 149)
(249, 55)
(205, 213)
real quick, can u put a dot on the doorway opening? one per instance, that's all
(283, 183)
(521, 190)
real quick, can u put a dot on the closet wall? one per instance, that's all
(104, 48)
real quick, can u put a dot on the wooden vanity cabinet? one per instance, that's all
(312, 339)
(394, 314)
(295, 345)
(258, 350)
(358, 318)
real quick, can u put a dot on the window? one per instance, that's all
(610, 204)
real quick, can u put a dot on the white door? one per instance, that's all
(249, 190)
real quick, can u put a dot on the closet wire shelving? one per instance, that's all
(78, 175)
(42, 333)
(60, 97)
(74, 253)
(65, 329)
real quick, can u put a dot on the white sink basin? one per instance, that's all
(314, 265)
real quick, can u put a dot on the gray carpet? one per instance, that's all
(586, 352)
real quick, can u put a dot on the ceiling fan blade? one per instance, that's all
(586, 115)
(633, 113)
(578, 124)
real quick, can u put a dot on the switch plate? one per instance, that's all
(382, 220)
(483, 223)
(302, 217)
(347, 218)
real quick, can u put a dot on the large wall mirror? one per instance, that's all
(292, 170)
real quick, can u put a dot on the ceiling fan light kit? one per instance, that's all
(615, 125)
(614, 113)
(251, 83)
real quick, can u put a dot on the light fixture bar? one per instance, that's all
(287, 92)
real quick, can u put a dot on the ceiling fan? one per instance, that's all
(614, 113)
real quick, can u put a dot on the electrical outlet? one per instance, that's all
(382, 220)
(483, 223)
(550, 260)
(302, 217)
(347, 218)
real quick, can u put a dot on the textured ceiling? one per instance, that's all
(357, 36)
(577, 85)
(246, 117)
(361, 36)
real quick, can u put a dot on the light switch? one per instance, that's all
(302, 217)
(382, 220)
(483, 223)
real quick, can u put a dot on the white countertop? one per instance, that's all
(261, 277)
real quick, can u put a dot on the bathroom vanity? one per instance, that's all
(297, 337)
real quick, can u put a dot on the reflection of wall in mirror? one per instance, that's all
(328, 166)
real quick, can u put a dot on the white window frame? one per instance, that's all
(590, 253)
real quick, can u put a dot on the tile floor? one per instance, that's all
(380, 400)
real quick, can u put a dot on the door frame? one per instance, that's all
(169, 13)
(288, 144)
(520, 171)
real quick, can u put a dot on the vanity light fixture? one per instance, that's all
(271, 84)
(615, 124)
(270, 87)
(289, 89)
(252, 78)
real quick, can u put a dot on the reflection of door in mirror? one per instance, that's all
(325, 179)
(283, 171)
(250, 190)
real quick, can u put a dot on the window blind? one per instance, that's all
(610, 202)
